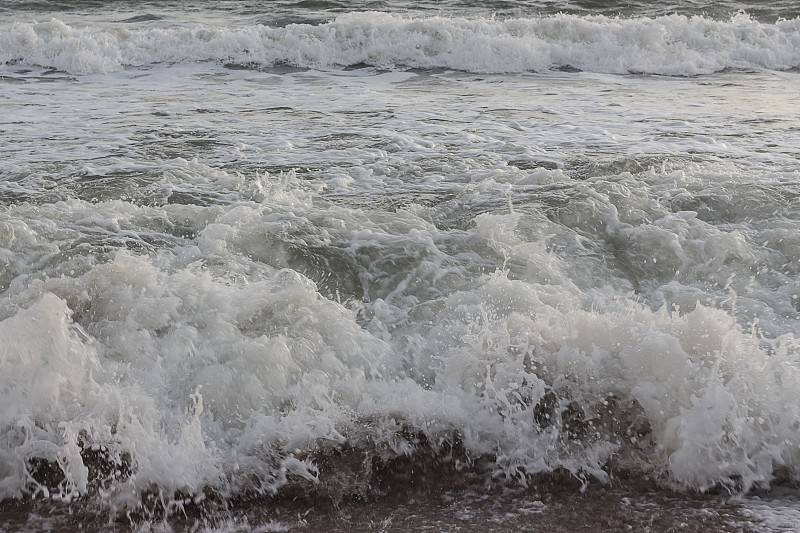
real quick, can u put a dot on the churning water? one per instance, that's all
(238, 237)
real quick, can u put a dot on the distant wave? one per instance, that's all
(670, 45)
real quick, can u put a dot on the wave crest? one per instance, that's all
(670, 45)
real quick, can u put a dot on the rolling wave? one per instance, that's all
(669, 45)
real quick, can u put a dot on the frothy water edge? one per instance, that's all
(204, 369)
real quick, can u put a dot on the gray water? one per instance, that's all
(239, 237)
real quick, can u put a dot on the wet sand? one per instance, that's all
(552, 503)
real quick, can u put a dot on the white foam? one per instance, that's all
(772, 513)
(672, 45)
(190, 341)
(215, 376)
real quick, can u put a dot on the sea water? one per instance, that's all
(238, 237)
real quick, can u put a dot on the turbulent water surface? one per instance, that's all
(237, 238)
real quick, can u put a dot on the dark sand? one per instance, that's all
(552, 503)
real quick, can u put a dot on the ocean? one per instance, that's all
(317, 251)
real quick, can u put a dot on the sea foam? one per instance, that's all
(198, 372)
(223, 331)
(668, 45)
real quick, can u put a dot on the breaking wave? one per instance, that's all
(668, 45)
(204, 371)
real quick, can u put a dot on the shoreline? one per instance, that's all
(551, 503)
